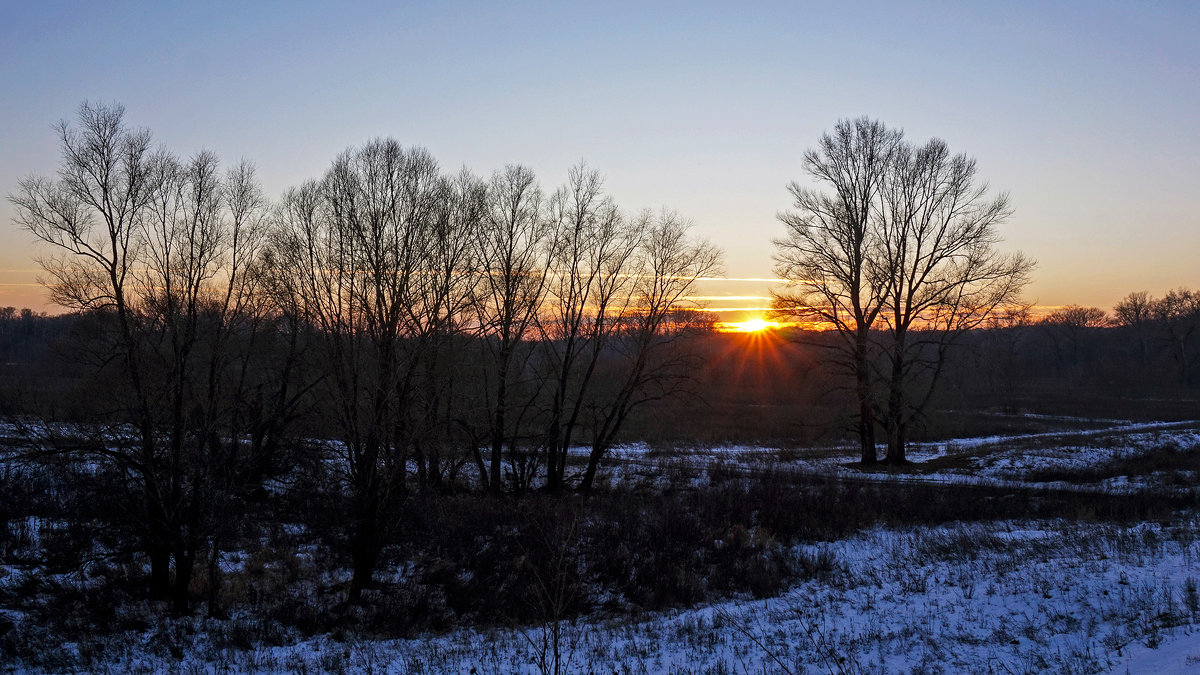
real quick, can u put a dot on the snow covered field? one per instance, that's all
(1019, 596)
(991, 460)
(996, 598)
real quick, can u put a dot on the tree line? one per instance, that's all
(429, 323)
(1142, 339)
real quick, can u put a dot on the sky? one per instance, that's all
(1086, 113)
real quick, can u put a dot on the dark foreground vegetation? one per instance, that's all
(660, 539)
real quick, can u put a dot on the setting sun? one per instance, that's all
(754, 325)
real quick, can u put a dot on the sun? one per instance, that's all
(755, 325)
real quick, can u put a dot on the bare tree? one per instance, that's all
(1133, 313)
(1173, 320)
(606, 296)
(90, 217)
(998, 359)
(594, 254)
(447, 285)
(939, 270)
(1134, 309)
(167, 250)
(349, 253)
(514, 244)
(1078, 317)
(1177, 316)
(830, 240)
(1067, 328)
(903, 249)
(650, 362)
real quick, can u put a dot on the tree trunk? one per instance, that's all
(363, 565)
(364, 552)
(499, 424)
(434, 472)
(495, 485)
(896, 451)
(480, 466)
(422, 466)
(554, 471)
(181, 593)
(589, 475)
(895, 410)
(1182, 359)
(866, 410)
(160, 571)
(214, 582)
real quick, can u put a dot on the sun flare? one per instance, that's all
(755, 325)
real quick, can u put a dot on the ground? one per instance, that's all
(1014, 596)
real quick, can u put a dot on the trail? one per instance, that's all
(757, 462)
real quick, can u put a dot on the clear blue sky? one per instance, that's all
(1088, 113)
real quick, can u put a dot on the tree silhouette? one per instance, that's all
(899, 258)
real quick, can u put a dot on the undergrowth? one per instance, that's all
(685, 538)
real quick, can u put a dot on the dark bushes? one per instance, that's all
(456, 559)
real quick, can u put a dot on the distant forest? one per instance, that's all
(1140, 360)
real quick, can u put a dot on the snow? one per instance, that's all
(995, 598)
(1000, 461)
(1001, 597)
(1176, 655)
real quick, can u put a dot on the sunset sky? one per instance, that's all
(1087, 113)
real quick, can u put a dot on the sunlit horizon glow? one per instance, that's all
(729, 313)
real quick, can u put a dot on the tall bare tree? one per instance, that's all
(904, 249)
(604, 296)
(593, 268)
(350, 254)
(440, 321)
(939, 269)
(515, 254)
(166, 249)
(650, 361)
(826, 254)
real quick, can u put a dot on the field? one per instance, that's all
(1061, 545)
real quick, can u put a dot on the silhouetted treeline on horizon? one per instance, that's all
(776, 386)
